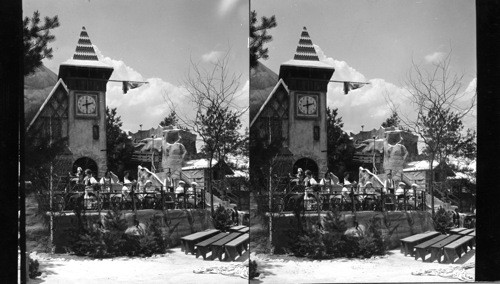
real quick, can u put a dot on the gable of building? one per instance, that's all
(51, 120)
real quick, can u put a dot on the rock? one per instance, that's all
(136, 230)
(356, 232)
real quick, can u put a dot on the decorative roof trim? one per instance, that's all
(59, 82)
(280, 82)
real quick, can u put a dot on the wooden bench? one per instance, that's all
(421, 250)
(202, 248)
(437, 248)
(244, 230)
(408, 244)
(456, 248)
(187, 242)
(236, 228)
(473, 234)
(218, 246)
(237, 246)
(456, 230)
(466, 232)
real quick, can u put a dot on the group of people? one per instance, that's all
(143, 186)
(364, 191)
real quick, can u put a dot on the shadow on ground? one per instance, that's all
(471, 253)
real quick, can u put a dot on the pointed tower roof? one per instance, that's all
(305, 49)
(305, 54)
(85, 54)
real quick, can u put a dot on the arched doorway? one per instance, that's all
(306, 164)
(86, 163)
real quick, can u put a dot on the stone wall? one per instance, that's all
(398, 224)
(190, 221)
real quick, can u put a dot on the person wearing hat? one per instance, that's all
(389, 184)
(413, 190)
(179, 191)
(309, 182)
(169, 182)
(400, 192)
(369, 201)
(89, 181)
(300, 176)
(192, 190)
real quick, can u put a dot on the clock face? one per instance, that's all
(86, 104)
(307, 105)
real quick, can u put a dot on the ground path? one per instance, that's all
(394, 267)
(173, 267)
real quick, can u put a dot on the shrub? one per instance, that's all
(109, 239)
(310, 245)
(221, 219)
(252, 269)
(442, 220)
(33, 268)
(333, 242)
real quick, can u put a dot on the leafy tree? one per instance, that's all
(213, 92)
(445, 136)
(36, 37)
(259, 36)
(119, 146)
(171, 119)
(220, 131)
(340, 147)
(392, 121)
(438, 97)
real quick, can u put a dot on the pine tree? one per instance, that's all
(259, 36)
(36, 38)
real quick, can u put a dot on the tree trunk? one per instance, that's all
(270, 208)
(210, 173)
(431, 187)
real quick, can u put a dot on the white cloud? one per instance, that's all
(212, 56)
(435, 57)
(145, 105)
(364, 106)
(369, 104)
(150, 103)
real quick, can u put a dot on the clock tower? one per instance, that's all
(86, 78)
(307, 79)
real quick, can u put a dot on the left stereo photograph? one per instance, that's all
(136, 141)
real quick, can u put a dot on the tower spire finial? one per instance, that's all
(305, 48)
(84, 49)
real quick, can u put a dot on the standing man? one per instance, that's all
(169, 183)
(389, 184)
(309, 182)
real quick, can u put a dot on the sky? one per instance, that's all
(376, 41)
(152, 41)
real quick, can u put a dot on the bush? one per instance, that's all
(33, 268)
(442, 220)
(221, 219)
(333, 242)
(109, 239)
(252, 269)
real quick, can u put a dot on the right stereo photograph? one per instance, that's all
(362, 141)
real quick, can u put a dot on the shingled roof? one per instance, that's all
(85, 54)
(305, 54)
